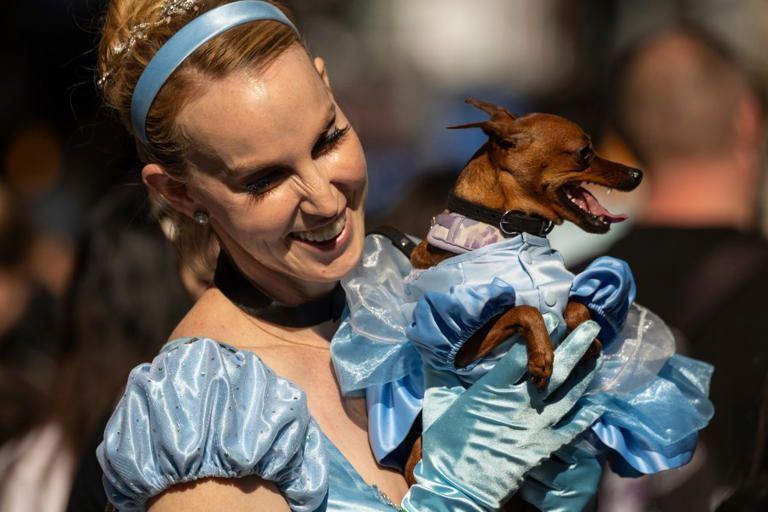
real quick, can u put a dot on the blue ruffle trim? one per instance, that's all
(654, 428)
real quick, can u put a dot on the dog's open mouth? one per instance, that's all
(582, 201)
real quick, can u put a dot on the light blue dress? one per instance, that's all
(204, 409)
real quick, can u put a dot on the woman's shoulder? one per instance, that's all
(213, 316)
(202, 409)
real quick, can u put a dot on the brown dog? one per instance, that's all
(531, 168)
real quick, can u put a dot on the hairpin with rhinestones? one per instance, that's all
(168, 10)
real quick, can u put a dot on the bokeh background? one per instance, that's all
(399, 68)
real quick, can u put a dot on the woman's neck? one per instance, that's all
(255, 301)
(279, 287)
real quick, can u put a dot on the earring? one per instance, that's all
(201, 218)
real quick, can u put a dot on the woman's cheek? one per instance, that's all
(268, 220)
(253, 226)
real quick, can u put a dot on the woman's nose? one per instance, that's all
(320, 196)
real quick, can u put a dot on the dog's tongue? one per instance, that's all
(595, 208)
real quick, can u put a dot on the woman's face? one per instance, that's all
(281, 173)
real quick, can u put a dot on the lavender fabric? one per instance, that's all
(458, 234)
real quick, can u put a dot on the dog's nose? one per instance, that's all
(637, 175)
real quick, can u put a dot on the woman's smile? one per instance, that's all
(328, 236)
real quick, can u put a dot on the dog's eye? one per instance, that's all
(586, 155)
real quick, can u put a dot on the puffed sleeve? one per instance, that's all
(607, 288)
(443, 322)
(204, 409)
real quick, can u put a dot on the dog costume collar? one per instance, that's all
(453, 232)
(193, 35)
(509, 223)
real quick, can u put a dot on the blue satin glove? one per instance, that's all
(484, 440)
(566, 481)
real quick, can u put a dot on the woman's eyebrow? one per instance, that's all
(249, 169)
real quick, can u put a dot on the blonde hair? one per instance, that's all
(133, 31)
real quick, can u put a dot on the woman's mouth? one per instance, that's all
(327, 237)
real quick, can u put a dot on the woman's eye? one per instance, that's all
(329, 141)
(264, 183)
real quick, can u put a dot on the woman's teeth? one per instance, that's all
(323, 234)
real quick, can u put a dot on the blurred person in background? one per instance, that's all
(426, 196)
(694, 119)
(27, 341)
(126, 294)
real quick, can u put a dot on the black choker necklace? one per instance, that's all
(236, 287)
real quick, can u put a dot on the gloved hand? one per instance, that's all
(566, 481)
(476, 453)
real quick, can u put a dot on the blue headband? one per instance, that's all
(191, 37)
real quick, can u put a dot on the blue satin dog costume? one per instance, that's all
(653, 402)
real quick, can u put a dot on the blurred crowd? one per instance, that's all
(90, 285)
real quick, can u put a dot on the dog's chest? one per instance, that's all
(525, 262)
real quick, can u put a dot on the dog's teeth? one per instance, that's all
(608, 192)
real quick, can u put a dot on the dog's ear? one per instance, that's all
(499, 132)
(499, 126)
(485, 125)
(496, 112)
(491, 128)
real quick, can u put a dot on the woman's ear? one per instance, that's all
(320, 67)
(170, 189)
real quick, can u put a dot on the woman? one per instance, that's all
(247, 149)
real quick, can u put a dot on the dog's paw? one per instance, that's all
(574, 315)
(594, 350)
(540, 367)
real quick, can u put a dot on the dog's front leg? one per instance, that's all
(410, 465)
(524, 320)
(426, 255)
(576, 313)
